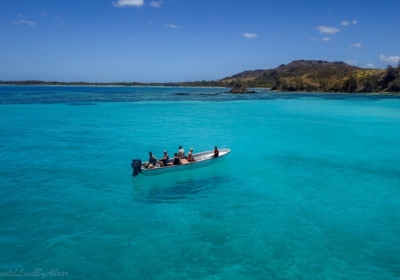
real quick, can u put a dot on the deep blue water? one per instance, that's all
(311, 189)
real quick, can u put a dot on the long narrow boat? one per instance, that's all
(201, 160)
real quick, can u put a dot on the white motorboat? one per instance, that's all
(201, 160)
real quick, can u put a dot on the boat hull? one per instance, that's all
(202, 159)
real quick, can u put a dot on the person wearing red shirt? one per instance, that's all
(216, 152)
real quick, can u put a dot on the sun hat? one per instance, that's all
(191, 149)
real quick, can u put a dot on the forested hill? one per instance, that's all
(318, 75)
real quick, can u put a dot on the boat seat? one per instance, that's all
(184, 161)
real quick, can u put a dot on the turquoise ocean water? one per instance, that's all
(311, 189)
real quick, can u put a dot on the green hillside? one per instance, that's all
(318, 75)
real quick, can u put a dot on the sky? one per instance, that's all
(189, 40)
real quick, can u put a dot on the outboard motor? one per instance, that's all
(136, 166)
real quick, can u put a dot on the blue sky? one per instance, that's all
(188, 40)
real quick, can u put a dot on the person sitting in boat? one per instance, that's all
(190, 156)
(216, 152)
(177, 160)
(152, 161)
(181, 152)
(164, 161)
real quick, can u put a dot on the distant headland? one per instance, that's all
(321, 76)
(299, 75)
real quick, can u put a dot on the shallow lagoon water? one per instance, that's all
(311, 189)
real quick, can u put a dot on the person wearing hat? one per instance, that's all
(164, 161)
(190, 156)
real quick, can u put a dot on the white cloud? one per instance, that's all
(327, 29)
(347, 23)
(369, 65)
(351, 62)
(390, 59)
(125, 3)
(249, 35)
(156, 4)
(172, 26)
(27, 22)
(326, 39)
(356, 45)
